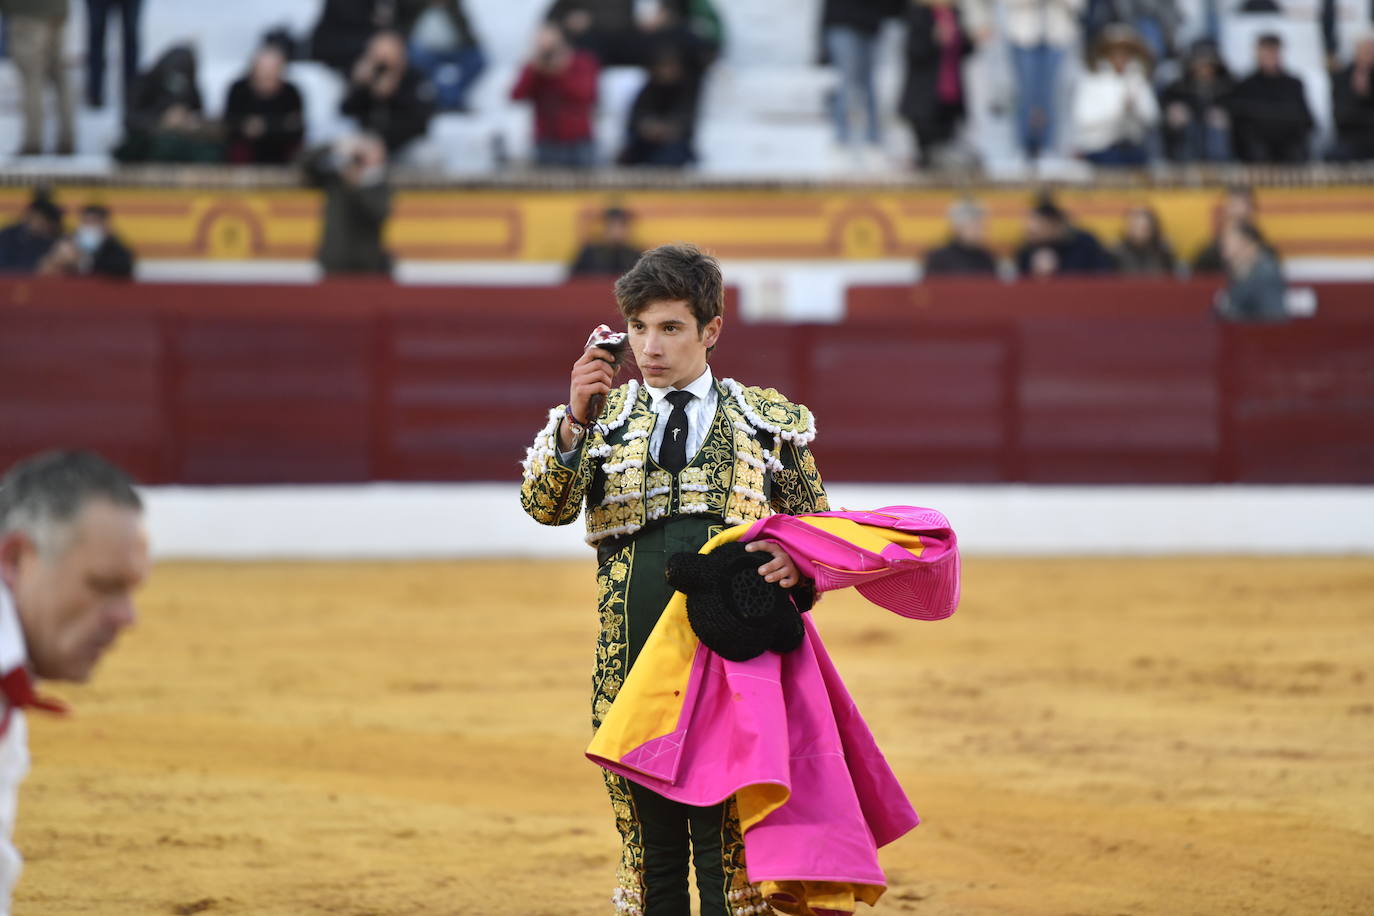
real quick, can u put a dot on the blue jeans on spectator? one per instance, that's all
(1037, 78)
(851, 52)
(97, 12)
(1201, 142)
(579, 154)
(451, 72)
(1119, 154)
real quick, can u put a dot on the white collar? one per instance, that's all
(699, 387)
(13, 652)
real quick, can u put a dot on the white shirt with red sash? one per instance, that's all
(14, 741)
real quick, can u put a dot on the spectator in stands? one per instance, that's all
(1237, 206)
(357, 204)
(662, 121)
(560, 81)
(387, 97)
(445, 50)
(97, 14)
(849, 30)
(1143, 249)
(965, 253)
(1155, 21)
(36, 29)
(1197, 126)
(605, 29)
(1114, 106)
(933, 92)
(24, 244)
(1256, 288)
(345, 28)
(92, 250)
(1039, 32)
(1352, 105)
(611, 256)
(264, 116)
(165, 121)
(1055, 247)
(1270, 121)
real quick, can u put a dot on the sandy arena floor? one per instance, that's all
(1082, 737)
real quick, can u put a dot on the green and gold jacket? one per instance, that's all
(755, 461)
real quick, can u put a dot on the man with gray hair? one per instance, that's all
(964, 254)
(72, 552)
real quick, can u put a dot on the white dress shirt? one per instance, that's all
(701, 410)
(14, 750)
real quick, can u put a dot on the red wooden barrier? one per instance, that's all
(1089, 381)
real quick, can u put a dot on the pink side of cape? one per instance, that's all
(788, 719)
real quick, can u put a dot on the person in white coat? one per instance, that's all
(1114, 106)
(1039, 32)
(72, 552)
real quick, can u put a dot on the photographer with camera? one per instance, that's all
(357, 204)
(561, 81)
(386, 96)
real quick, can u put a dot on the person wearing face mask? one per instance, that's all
(92, 249)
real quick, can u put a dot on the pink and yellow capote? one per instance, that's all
(816, 798)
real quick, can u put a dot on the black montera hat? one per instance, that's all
(732, 609)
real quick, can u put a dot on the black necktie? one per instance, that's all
(672, 454)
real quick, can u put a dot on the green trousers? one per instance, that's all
(659, 836)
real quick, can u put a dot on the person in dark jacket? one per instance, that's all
(357, 204)
(613, 255)
(662, 121)
(24, 244)
(92, 251)
(165, 121)
(345, 27)
(1256, 288)
(1237, 206)
(1055, 247)
(933, 92)
(1352, 105)
(964, 254)
(444, 49)
(1197, 126)
(1270, 121)
(264, 116)
(387, 97)
(1143, 250)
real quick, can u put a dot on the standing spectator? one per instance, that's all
(93, 250)
(613, 255)
(97, 14)
(662, 121)
(1256, 289)
(1197, 127)
(561, 83)
(345, 28)
(36, 30)
(1237, 206)
(1269, 115)
(1352, 105)
(1114, 105)
(357, 204)
(933, 93)
(849, 30)
(445, 50)
(264, 117)
(165, 121)
(387, 97)
(24, 244)
(1155, 21)
(1143, 249)
(1054, 246)
(965, 253)
(1039, 32)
